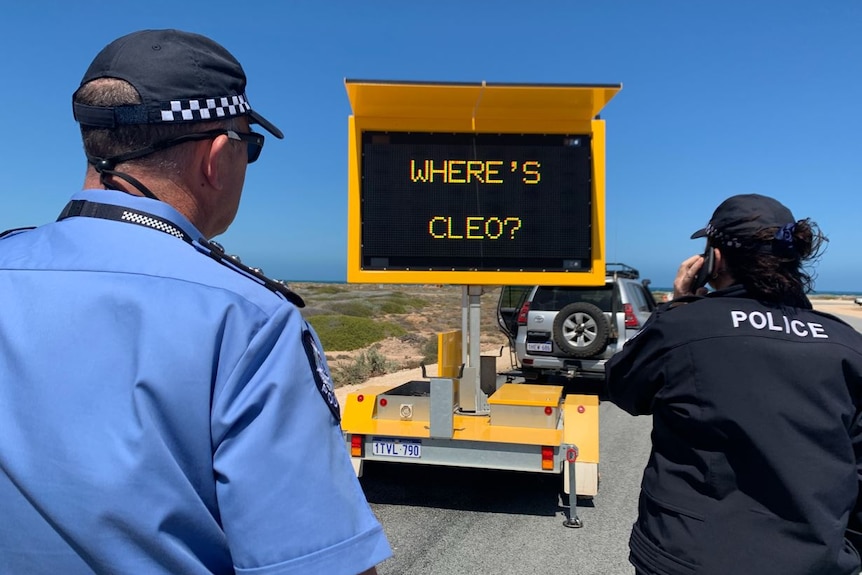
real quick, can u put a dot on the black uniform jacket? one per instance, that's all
(757, 441)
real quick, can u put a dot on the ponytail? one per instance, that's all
(776, 264)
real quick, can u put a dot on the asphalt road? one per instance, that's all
(445, 521)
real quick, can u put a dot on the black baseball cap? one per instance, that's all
(180, 76)
(738, 218)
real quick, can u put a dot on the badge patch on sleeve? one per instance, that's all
(321, 374)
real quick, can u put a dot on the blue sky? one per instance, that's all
(719, 98)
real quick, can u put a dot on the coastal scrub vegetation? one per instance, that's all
(371, 330)
(347, 333)
(367, 364)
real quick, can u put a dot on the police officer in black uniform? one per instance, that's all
(755, 397)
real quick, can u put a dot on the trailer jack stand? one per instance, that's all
(572, 520)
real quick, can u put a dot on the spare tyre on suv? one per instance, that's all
(573, 330)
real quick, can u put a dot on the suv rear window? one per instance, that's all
(555, 298)
(639, 298)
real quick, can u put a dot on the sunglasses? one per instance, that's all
(253, 140)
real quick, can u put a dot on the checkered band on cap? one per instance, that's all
(154, 223)
(205, 109)
(719, 238)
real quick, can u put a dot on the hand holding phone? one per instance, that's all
(705, 271)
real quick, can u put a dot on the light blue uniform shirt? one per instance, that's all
(163, 413)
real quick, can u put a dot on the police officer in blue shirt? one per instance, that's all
(756, 402)
(164, 409)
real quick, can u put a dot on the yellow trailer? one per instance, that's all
(476, 184)
(527, 427)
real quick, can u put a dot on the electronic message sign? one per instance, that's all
(476, 184)
(477, 202)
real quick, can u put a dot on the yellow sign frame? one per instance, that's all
(476, 108)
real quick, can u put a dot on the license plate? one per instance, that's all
(545, 347)
(396, 447)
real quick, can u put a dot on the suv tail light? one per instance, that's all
(522, 313)
(631, 320)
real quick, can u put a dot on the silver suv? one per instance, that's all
(573, 330)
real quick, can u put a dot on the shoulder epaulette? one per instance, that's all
(86, 208)
(15, 230)
(216, 252)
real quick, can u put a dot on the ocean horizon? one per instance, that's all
(815, 293)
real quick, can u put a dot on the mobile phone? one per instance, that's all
(705, 270)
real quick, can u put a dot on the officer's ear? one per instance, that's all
(722, 275)
(217, 158)
(719, 263)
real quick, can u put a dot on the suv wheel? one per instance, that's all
(581, 330)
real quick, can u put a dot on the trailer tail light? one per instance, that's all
(547, 458)
(522, 313)
(356, 446)
(631, 319)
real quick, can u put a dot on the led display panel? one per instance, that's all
(476, 202)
